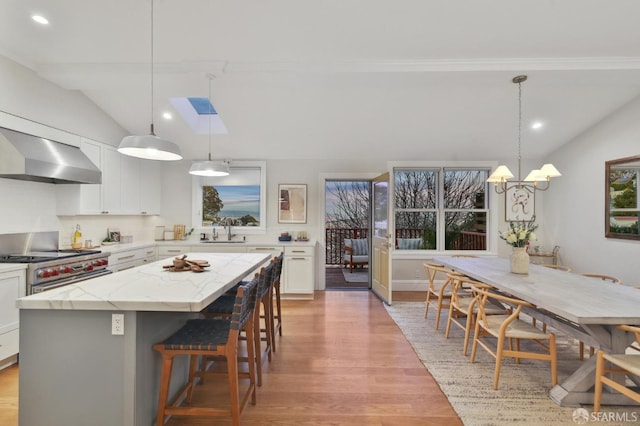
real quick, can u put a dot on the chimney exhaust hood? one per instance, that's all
(32, 158)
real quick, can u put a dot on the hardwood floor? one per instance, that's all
(341, 361)
(334, 280)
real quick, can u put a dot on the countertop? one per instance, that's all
(234, 244)
(152, 288)
(10, 267)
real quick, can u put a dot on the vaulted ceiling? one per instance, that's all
(398, 80)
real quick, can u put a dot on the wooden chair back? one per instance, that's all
(604, 278)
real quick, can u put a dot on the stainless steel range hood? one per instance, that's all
(28, 157)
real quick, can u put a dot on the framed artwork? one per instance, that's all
(114, 234)
(519, 204)
(292, 201)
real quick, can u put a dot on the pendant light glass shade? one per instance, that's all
(209, 168)
(150, 147)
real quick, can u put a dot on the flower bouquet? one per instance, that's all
(520, 232)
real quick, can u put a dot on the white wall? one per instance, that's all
(33, 105)
(572, 214)
(574, 206)
(23, 94)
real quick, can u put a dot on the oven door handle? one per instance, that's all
(45, 287)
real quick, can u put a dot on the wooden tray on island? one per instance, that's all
(191, 265)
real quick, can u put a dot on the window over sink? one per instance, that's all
(238, 199)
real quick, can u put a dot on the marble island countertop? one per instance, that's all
(151, 287)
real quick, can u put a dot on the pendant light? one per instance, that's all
(150, 147)
(500, 177)
(209, 167)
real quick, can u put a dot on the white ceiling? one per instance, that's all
(397, 80)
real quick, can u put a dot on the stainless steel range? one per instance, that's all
(48, 269)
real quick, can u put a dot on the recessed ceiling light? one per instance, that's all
(536, 125)
(40, 19)
(167, 115)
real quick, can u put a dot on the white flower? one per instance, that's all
(519, 232)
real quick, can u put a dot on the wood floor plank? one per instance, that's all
(341, 361)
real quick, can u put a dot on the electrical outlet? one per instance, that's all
(117, 324)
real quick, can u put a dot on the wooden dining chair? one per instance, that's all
(508, 329)
(464, 306)
(604, 278)
(437, 295)
(619, 363)
(558, 267)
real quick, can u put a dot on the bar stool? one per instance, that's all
(211, 337)
(276, 321)
(223, 307)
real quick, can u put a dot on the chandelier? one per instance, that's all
(536, 180)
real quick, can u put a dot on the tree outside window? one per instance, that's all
(445, 208)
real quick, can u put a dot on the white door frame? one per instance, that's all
(324, 177)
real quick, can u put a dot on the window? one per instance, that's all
(441, 208)
(238, 199)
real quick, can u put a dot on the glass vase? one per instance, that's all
(520, 261)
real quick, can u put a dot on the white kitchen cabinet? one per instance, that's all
(111, 181)
(165, 252)
(140, 186)
(130, 186)
(297, 272)
(275, 250)
(219, 248)
(127, 259)
(150, 187)
(12, 286)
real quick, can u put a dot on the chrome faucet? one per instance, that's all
(229, 234)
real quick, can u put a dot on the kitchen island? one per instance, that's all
(74, 371)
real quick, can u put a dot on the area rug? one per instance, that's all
(522, 397)
(355, 277)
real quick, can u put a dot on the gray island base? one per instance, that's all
(75, 372)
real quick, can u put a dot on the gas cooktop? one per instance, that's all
(43, 256)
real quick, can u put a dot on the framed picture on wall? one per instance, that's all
(292, 201)
(519, 204)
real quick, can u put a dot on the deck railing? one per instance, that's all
(334, 238)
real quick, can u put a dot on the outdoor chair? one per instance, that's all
(620, 363)
(409, 243)
(510, 330)
(356, 252)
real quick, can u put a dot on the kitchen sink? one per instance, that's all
(222, 242)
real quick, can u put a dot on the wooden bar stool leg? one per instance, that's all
(279, 309)
(232, 370)
(165, 376)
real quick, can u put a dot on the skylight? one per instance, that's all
(202, 106)
(196, 112)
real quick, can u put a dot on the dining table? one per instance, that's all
(586, 308)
